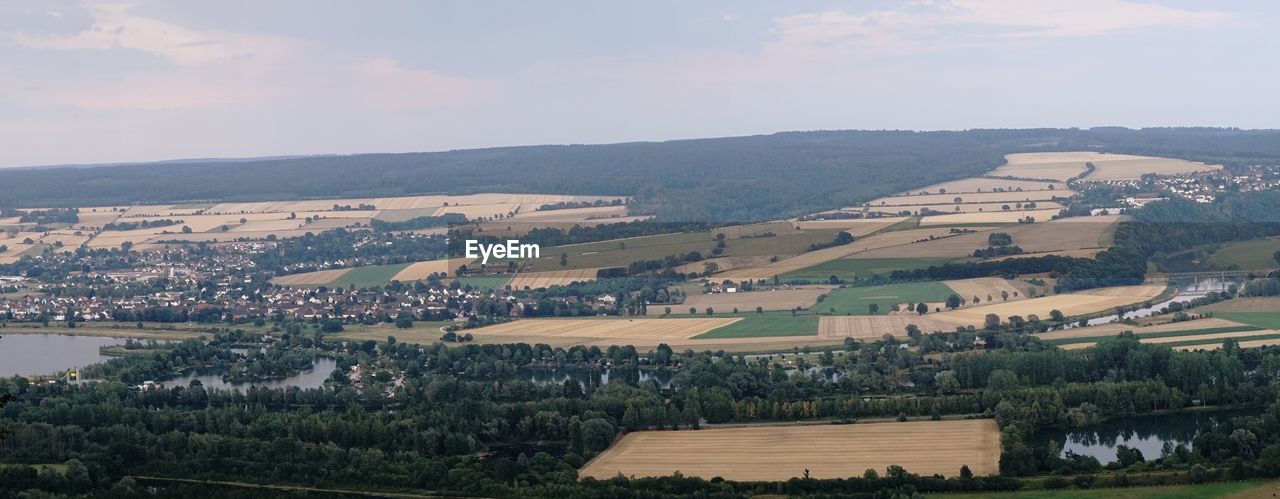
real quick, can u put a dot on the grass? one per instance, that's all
(365, 277)
(1209, 490)
(856, 301)
(485, 281)
(422, 332)
(755, 327)
(1265, 320)
(1248, 255)
(1167, 334)
(862, 267)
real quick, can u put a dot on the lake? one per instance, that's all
(1145, 433)
(211, 379)
(44, 354)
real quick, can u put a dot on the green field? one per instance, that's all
(856, 301)
(752, 327)
(1168, 334)
(1248, 255)
(1266, 320)
(1208, 490)
(862, 267)
(485, 281)
(366, 277)
(1240, 339)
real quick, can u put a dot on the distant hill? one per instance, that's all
(721, 179)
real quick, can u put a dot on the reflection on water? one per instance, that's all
(41, 354)
(596, 377)
(211, 379)
(1145, 433)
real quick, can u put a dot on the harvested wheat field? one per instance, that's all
(1111, 330)
(1243, 344)
(317, 278)
(826, 451)
(420, 271)
(1073, 233)
(533, 330)
(986, 184)
(858, 227)
(974, 197)
(876, 326)
(780, 228)
(809, 259)
(723, 264)
(1064, 165)
(535, 280)
(1070, 304)
(982, 287)
(952, 208)
(1253, 304)
(775, 299)
(989, 217)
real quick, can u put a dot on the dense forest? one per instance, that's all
(723, 179)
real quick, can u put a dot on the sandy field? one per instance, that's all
(1070, 304)
(420, 271)
(1135, 168)
(317, 278)
(990, 217)
(876, 326)
(986, 184)
(531, 330)
(535, 280)
(783, 452)
(776, 299)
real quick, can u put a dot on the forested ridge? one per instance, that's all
(721, 179)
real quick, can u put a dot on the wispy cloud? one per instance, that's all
(934, 24)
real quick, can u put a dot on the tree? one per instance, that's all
(965, 472)
(1276, 257)
(954, 301)
(946, 382)
(873, 308)
(1004, 295)
(564, 259)
(1056, 315)
(759, 310)
(992, 322)
(922, 308)
(404, 321)
(999, 239)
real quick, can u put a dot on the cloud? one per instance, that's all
(934, 24)
(208, 69)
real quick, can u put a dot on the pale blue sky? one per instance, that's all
(88, 82)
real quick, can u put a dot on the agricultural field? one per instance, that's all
(857, 227)
(309, 279)
(968, 208)
(497, 281)
(992, 287)
(1070, 304)
(1246, 255)
(765, 326)
(1061, 166)
(798, 266)
(873, 327)
(778, 299)
(783, 452)
(856, 301)
(1074, 233)
(365, 277)
(990, 217)
(862, 267)
(420, 271)
(985, 184)
(535, 280)
(949, 198)
(220, 222)
(586, 331)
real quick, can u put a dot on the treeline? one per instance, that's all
(142, 224)
(724, 179)
(554, 236)
(446, 220)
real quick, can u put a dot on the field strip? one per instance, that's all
(1110, 330)
(812, 258)
(983, 287)
(779, 299)
(1070, 304)
(1264, 342)
(876, 326)
(317, 278)
(419, 271)
(607, 329)
(825, 451)
(535, 280)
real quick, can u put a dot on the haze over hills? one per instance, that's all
(735, 178)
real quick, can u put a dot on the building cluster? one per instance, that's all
(1201, 187)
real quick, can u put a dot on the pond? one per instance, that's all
(44, 354)
(1148, 434)
(584, 376)
(212, 378)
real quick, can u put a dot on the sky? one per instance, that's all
(102, 82)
